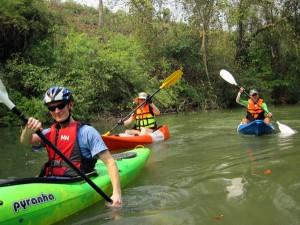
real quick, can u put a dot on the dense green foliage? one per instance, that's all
(46, 43)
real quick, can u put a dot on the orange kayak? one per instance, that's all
(115, 143)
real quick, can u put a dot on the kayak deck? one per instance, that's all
(257, 128)
(40, 201)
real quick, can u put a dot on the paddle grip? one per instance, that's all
(20, 115)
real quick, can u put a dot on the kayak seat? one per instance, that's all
(56, 180)
(124, 155)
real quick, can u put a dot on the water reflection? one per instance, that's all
(235, 187)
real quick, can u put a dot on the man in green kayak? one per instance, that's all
(81, 143)
(256, 107)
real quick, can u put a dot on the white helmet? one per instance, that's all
(56, 94)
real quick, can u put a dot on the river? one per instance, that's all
(206, 173)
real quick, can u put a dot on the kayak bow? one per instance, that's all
(47, 200)
(257, 127)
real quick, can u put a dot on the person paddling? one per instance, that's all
(81, 143)
(256, 107)
(144, 117)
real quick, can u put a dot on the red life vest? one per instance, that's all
(66, 141)
(254, 108)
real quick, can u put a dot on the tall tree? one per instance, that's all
(202, 15)
(101, 14)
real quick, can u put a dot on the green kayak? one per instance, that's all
(47, 200)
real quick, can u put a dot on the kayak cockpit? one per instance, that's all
(56, 180)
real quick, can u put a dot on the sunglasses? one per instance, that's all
(60, 106)
(254, 94)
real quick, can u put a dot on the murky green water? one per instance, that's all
(205, 173)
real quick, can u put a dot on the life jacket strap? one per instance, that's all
(58, 163)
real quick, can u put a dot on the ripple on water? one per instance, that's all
(286, 205)
(177, 217)
(149, 205)
(156, 197)
(285, 202)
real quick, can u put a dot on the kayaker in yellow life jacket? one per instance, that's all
(144, 117)
(256, 107)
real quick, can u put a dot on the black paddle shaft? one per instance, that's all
(57, 151)
(134, 110)
(255, 101)
(141, 104)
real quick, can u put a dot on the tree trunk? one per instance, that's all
(101, 14)
(203, 50)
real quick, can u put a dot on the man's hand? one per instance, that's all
(242, 90)
(121, 122)
(149, 100)
(270, 114)
(33, 125)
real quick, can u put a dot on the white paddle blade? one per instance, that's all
(228, 77)
(285, 129)
(4, 96)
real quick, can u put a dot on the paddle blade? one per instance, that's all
(228, 77)
(285, 129)
(4, 96)
(172, 79)
(106, 134)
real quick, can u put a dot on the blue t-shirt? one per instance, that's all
(89, 139)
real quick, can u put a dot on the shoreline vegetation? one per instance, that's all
(107, 62)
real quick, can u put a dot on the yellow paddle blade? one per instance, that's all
(106, 134)
(172, 79)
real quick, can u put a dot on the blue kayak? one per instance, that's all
(257, 127)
